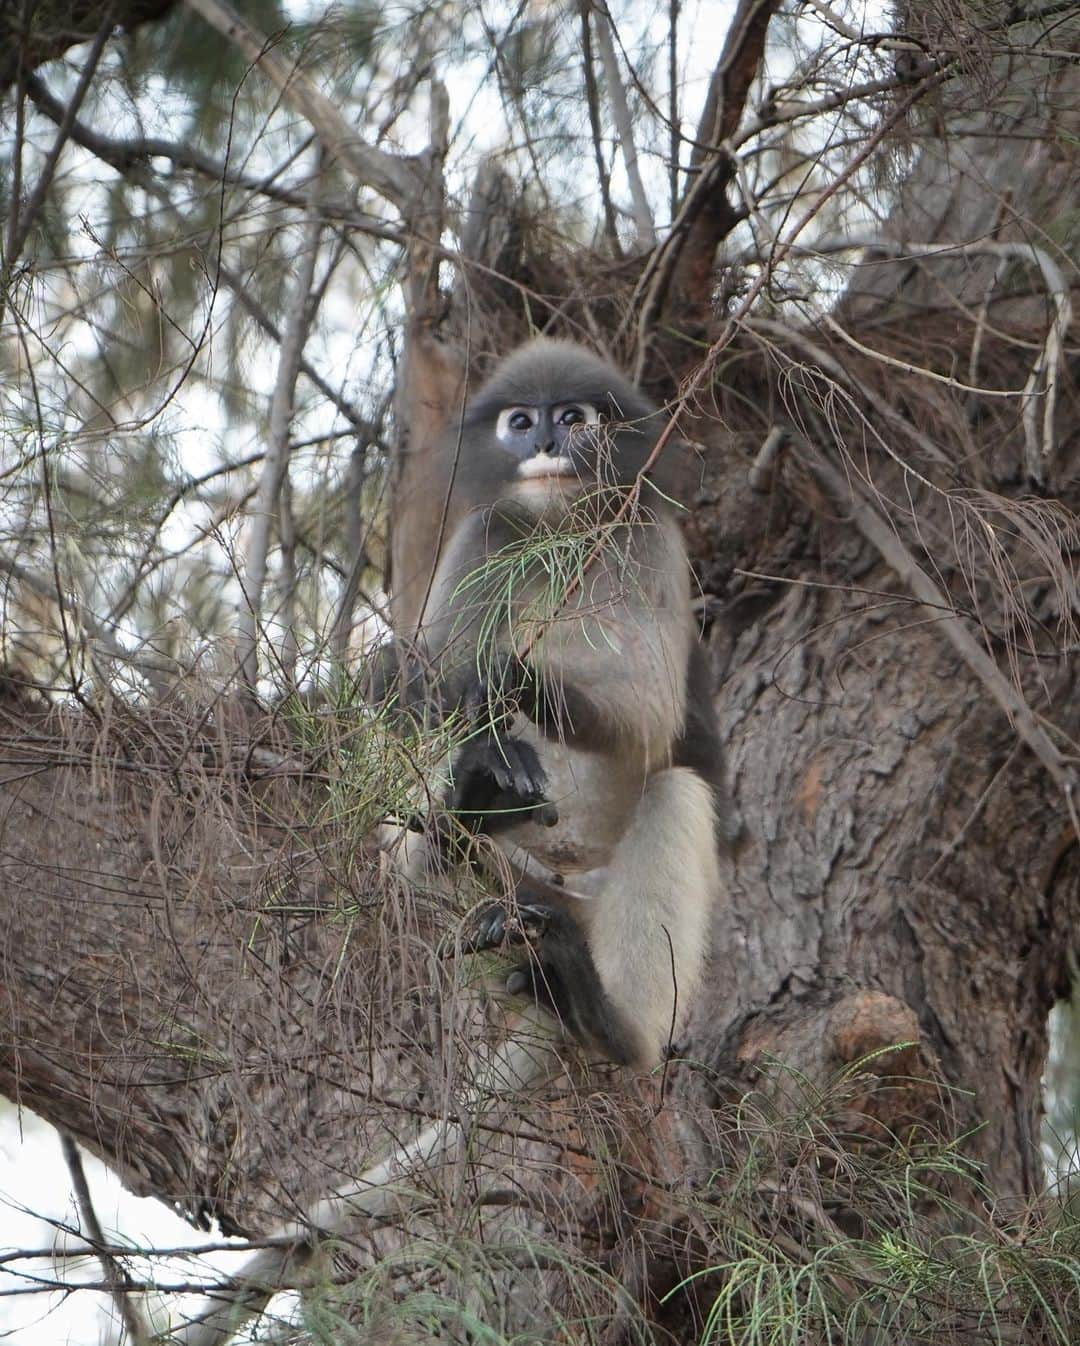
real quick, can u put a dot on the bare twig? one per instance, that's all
(674, 129)
(276, 462)
(115, 1276)
(624, 125)
(592, 102)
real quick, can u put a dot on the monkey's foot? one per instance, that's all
(527, 923)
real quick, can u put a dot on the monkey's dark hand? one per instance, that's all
(497, 781)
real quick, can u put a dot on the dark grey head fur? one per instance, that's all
(543, 372)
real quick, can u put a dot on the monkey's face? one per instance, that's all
(552, 424)
(547, 447)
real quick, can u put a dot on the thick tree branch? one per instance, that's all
(681, 268)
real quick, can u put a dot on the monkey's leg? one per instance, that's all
(649, 927)
(560, 975)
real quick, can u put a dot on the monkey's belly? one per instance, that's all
(595, 798)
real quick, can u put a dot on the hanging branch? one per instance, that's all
(624, 125)
(592, 101)
(276, 463)
(115, 1276)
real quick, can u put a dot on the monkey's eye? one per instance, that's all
(577, 413)
(516, 421)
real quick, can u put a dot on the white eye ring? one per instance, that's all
(504, 430)
(589, 414)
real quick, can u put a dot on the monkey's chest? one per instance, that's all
(595, 797)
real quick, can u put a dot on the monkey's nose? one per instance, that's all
(548, 448)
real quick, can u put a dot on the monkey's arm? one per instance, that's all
(496, 782)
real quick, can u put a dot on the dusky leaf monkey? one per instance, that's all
(559, 629)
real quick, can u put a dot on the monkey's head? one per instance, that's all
(553, 422)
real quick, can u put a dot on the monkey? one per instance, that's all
(559, 631)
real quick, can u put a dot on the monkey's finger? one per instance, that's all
(534, 919)
(488, 931)
(518, 982)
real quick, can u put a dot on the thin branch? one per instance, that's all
(276, 464)
(592, 102)
(624, 125)
(674, 129)
(115, 1276)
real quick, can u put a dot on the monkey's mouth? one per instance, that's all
(542, 466)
